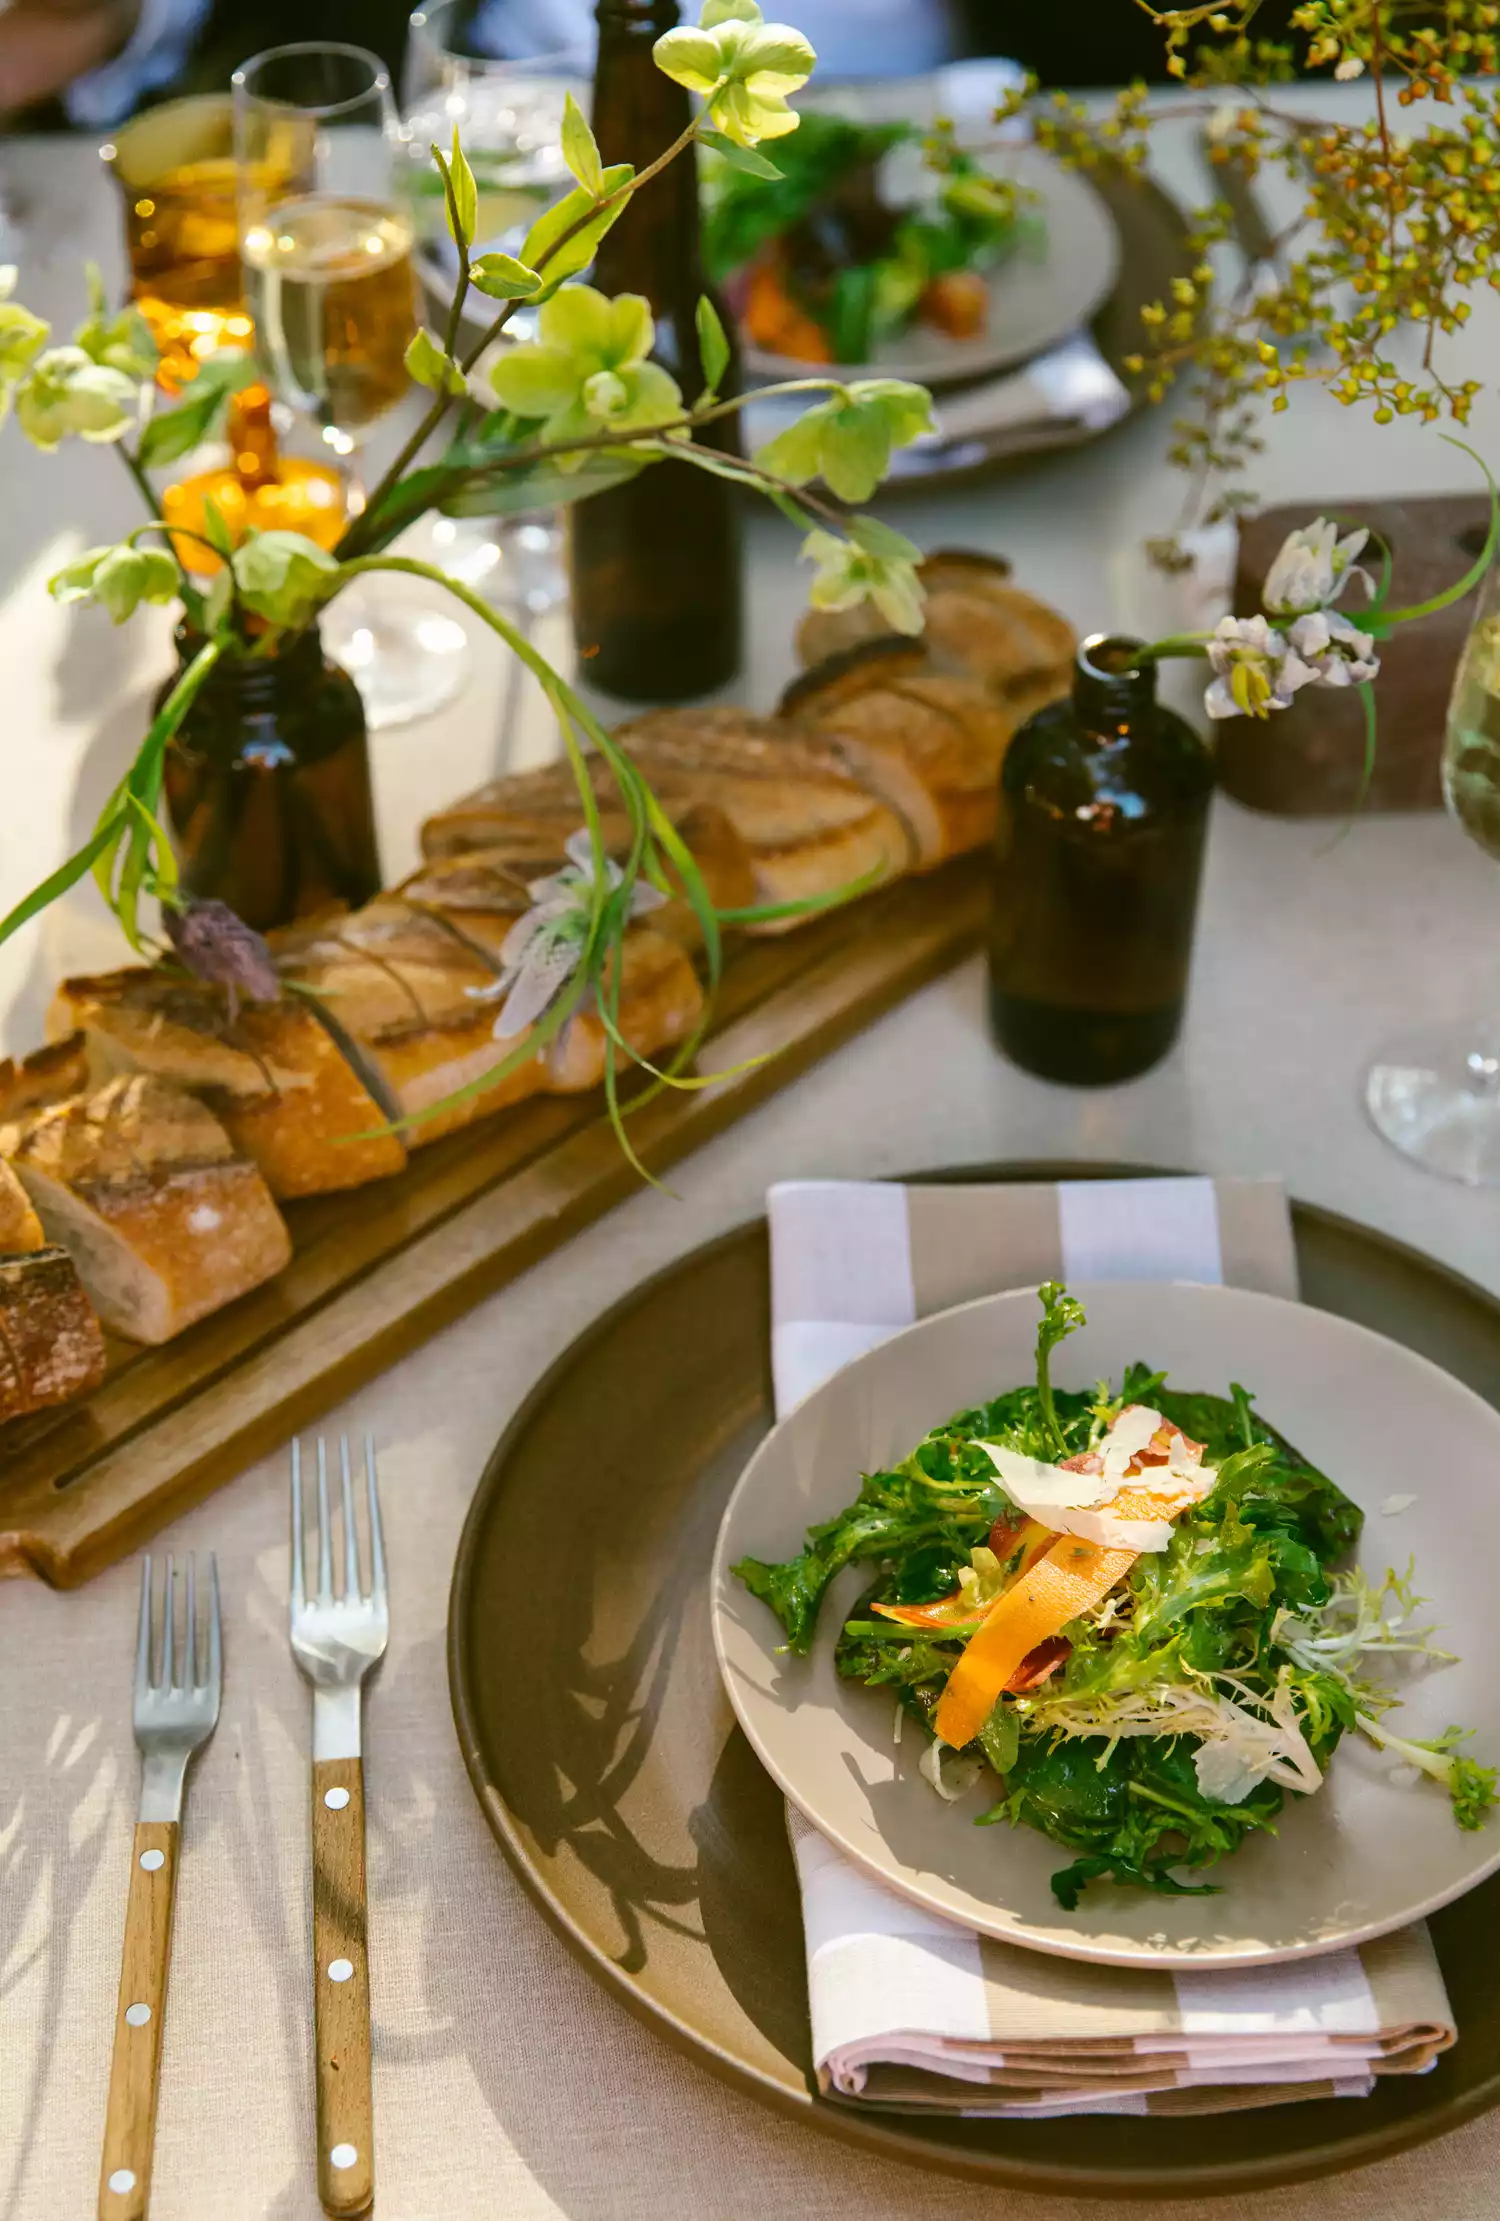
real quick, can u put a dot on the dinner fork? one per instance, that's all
(336, 1640)
(173, 1717)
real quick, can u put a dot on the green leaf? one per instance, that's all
(748, 159)
(541, 249)
(510, 492)
(713, 345)
(215, 530)
(503, 278)
(67, 875)
(797, 453)
(174, 433)
(881, 539)
(580, 150)
(464, 200)
(429, 366)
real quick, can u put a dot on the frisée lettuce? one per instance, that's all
(1133, 1605)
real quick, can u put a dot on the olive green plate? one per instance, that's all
(643, 1825)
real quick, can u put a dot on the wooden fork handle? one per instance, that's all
(341, 1992)
(130, 2121)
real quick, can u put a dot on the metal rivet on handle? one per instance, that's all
(138, 2015)
(122, 2180)
(340, 1970)
(343, 2155)
(336, 1799)
(151, 1860)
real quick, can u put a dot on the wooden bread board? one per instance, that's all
(379, 1269)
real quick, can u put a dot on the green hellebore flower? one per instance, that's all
(118, 579)
(281, 575)
(589, 369)
(848, 574)
(743, 67)
(22, 336)
(847, 440)
(64, 391)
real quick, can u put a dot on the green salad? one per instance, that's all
(1134, 1605)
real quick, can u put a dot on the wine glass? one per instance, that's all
(468, 63)
(1434, 1092)
(326, 243)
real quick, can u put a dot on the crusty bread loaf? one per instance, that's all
(48, 1075)
(808, 827)
(288, 1097)
(142, 1186)
(660, 1003)
(929, 744)
(51, 1348)
(403, 986)
(483, 890)
(20, 1228)
(976, 623)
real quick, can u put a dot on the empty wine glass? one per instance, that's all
(1434, 1091)
(326, 241)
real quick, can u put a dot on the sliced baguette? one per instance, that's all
(142, 1186)
(660, 1003)
(929, 744)
(809, 828)
(274, 1075)
(51, 1348)
(48, 1075)
(20, 1228)
(402, 986)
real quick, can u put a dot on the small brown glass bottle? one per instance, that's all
(1103, 811)
(268, 786)
(656, 563)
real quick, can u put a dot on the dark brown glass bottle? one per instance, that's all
(656, 563)
(1103, 811)
(268, 786)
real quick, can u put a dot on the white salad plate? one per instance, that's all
(1036, 300)
(1369, 1852)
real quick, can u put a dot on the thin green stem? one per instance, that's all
(133, 465)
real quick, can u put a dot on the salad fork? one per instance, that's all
(175, 1711)
(336, 1640)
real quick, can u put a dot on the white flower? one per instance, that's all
(1351, 66)
(1312, 569)
(1257, 671)
(544, 948)
(1338, 652)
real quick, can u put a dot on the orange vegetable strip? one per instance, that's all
(948, 1611)
(1068, 1579)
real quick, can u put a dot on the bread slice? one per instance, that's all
(808, 827)
(48, 1075)
(51, 1348)
(142, 1186)
(482, 891)
(978, 623)
(288, 1097)
(402, 986)
(930, 745)
(20, 1228)
(660, 1003)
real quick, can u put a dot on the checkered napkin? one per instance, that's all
(910, 2011)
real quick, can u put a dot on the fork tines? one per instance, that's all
(192, 1663)
(352, 1589)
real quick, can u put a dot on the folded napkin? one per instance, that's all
(910, 2011)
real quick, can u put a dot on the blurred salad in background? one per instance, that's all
(821, 265)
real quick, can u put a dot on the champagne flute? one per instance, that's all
(468, 63)
(1434, 1092)
(326, 243)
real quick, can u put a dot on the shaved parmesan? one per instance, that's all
(1029, 1483)
(1130, 1434)
(1076, 1502)
(1395, 1504)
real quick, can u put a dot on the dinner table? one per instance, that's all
(507, 2081)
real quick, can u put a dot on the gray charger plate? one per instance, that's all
(644, 1826)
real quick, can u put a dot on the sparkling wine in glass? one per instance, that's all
(1434, 1092)
(329, 278)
